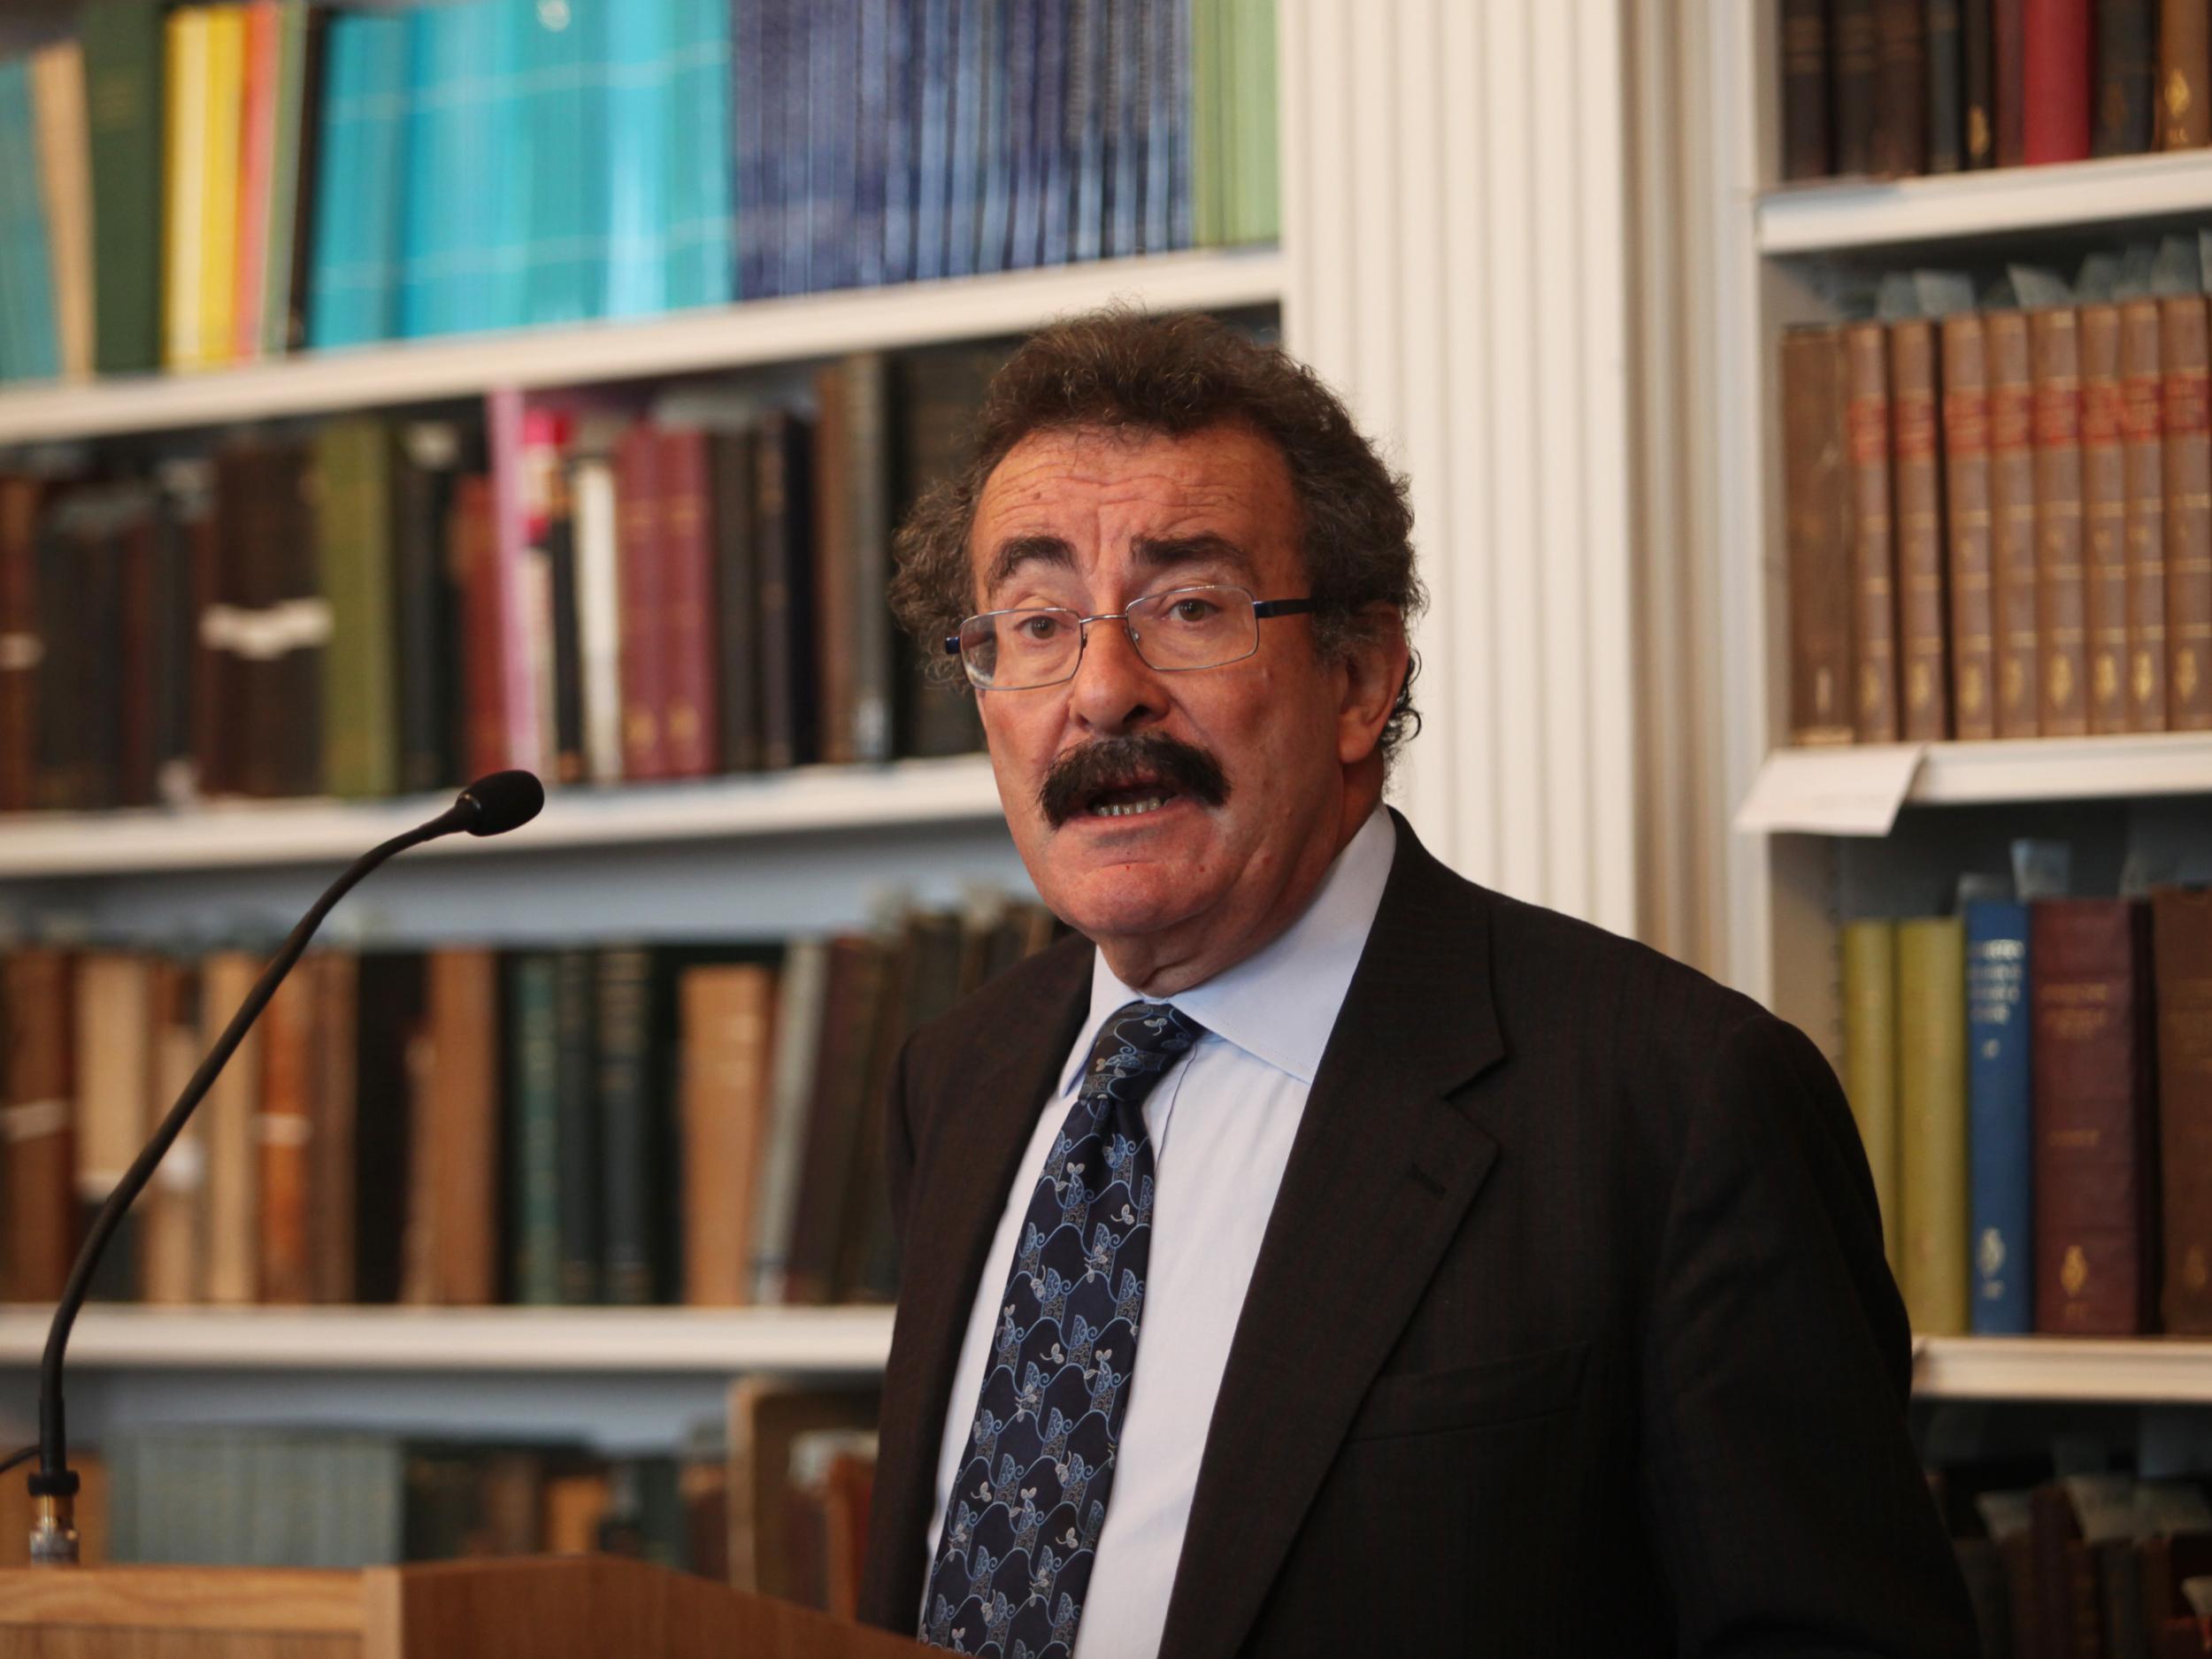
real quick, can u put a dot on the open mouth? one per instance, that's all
(1131, 800)
(1129, 776)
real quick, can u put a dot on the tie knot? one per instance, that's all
(1139, 1040)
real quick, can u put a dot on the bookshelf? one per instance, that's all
(759, 333)
(1821, 834)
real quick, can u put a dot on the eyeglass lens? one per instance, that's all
(1184, 628)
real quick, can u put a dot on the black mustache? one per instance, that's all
(1080, 773)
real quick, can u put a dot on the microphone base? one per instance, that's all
(54, 1532)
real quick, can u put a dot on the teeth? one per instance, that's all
(1130, 808)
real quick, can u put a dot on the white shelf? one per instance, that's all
(2147, 1371)
(244, 833)
(1958, 207)
(577, 1340)
(684, 343)
(1825, 791)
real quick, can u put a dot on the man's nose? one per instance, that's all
(1115, 689)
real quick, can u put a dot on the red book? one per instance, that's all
(2055, 66)
(18, 640)
(2096, 1239)
(641, 602)
(257, 154)
(688, 726)
(470, 547)
(506, 423)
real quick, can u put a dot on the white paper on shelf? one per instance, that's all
(1851, 789)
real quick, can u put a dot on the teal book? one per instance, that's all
(564, 281)
(354, 281)
(480, 172)
(639, 138)
(430, 253)
(699, 249)
(534, 1091)
(34, 352)
(503, 205)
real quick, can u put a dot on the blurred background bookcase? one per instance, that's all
(1831, 833)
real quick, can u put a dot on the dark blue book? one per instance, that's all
(1025, 162)
(2000, 1130)
(1176, 55)
(902, 42)
(1086, 127)
(1124, 151)
(871, 142)
(1055, 156)
(749, 132)
(932, 151)
(994, 214)
(832, 54)
(965, 165)
(790, 73)
(1155, 30)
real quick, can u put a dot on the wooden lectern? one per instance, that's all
(577, 1607)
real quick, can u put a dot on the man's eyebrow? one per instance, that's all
(1165, 552)
(1017, 551)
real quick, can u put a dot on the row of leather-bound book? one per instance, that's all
(695, 1122)
(1997, 497)
(1889, 88)
(772, 1500)
(343, 609)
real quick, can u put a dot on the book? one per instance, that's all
(801, 1002)
(576, 1098)
(1946, 88)
(632, 1130)
(21, 656)
(1924, 641)
(2057, 51)
(257, 165)
(2188, 457)
(2008, 32)
(425, 464)
(2144, 520)
(2181, 938)
(727, 1013)
(1966, 502)
(534, 1058)
(231, 1113)
(2185, 76)
(1873, 555)
(223, 112)
(2095, 1205)
(392, 1058)
(1901, 87)
(171, 1264)
(124, 55)
(114, 1074)
(2063, 654)
(2104, 518)
(782, 499)
(691, 706)
(65, 197)
(1818, 531)
(643, 604)
(733, 470)
(285, 1133)
(334, 1148)
(1806, 152)
(2012, 474)
(454, 1213)
(767, 1416)
(1870, 1061)
(2000, 1128)
(1932, 1113)
(1977, 63)
(354, 534)
(598, 615)
(2126, 69)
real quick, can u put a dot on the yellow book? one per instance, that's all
(1931, 1123)
(65, 177)
(184, 152)
(1869, 1060)
(219, 194)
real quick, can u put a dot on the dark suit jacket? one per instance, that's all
(1571, 1334)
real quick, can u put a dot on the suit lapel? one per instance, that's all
(1379, 1178)
(961, 1184)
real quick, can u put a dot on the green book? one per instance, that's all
(1253, 192)
(282, 219)
(353, 517)
(1869, 1060)
(1206, 123)
(534, 1091)
(123, 73)
(1932, 1123)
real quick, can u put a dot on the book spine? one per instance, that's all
(1933, 1179)
(2091, 1035)
(2188, 440)
(576, 1095)
(38, 1224)
(724, 1018)
(1946, 86)
(2012, 522)
(638, 128)
(2144, 524)
(2061, 603)
(1923, 643)
(1855, 52)
(2007, 32)
(1977, 53)
(184, 107)
(307, 169)
(284, 1133)
(2056, 54)
(332, 1151)
(867, 511)
(2104, 517)
(422, 465)
(750, 134)
(257, 162)
(565, 625)
(170, 1238)
(1967, 519)
(1870, 1061)
(837, 599)
(642, 604)
(2126, 66)
(124, 116)
(220, 190)
(627, 1143)
(1901, 87)
(1805, 148)
(484, 744)
(20, 648)
(506, 421)
(233, 1108)
(599, 616)
(279, 200)
(687, 645)
(737, 580)
(463, 1090)
(58, 96)
(2000, 1133)
(1873, 559)
(2185, 76)
(697, 153)
(354, 535)
(787, 601)
(1815, 485)
(2181, 938)
(535, 1057)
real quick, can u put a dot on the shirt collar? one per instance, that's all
(1280, 1003)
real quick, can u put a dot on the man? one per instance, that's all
(1321, 1254)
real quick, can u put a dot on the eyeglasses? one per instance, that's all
(1180, 629)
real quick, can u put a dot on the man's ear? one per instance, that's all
(1373, 665)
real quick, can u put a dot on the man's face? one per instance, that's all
(1091, 521)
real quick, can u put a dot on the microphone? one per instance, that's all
(491, 805)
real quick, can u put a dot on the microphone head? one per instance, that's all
(499, 802)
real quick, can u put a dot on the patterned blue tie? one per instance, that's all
(1021, 1523)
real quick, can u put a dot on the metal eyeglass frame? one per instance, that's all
(1262, 609)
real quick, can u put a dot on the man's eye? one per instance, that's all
(1038, 629)
(1193, 610)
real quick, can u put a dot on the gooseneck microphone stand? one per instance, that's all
(490, 806)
